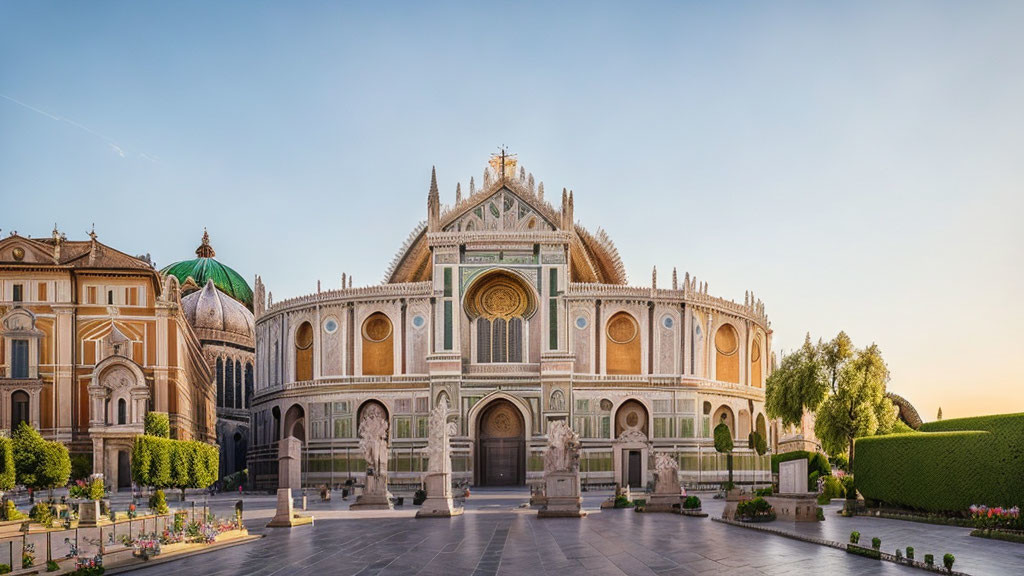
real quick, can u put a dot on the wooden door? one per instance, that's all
(634, 469)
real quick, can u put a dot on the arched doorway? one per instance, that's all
(631, 447)
(501, 446)
(295, 423)
(19, 409)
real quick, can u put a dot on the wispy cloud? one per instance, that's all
(114, 146)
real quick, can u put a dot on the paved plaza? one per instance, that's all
(495, 536)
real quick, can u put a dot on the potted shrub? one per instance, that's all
(947, 561)
(876, 543)
(854, 537)
(910, 552)
(691, 503)
(929, 559)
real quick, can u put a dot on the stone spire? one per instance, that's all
(654, 278)
(675, 279)
(458, 193)
(472, 186)
(565, 209)
(205, 250)
(540, 191)
(433, 203)
(56, 244)
(344, 281)
(93, 245)
(259, 297)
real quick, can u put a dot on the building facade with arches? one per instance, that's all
(519, 316)
(91, 339)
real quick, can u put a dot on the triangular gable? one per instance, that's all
(504, 206)
(16, 249)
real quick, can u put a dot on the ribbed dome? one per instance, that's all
(206, 267)
(216, 316)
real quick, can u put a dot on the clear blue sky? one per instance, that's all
(857, 165)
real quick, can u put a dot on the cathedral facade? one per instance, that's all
(92, 339)
(519, 316)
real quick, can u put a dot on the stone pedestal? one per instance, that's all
(732, 498)
(88, 513)
(375, 496)
(289, 463)
(439, 502)
(285, 517)
(795, 507)
(667, 495)
(562, 491)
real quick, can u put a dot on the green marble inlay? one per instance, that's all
(553, 332)
(447, 282)
(448, 325)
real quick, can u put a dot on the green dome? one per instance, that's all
(206, 267)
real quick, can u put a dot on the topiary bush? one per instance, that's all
(947, 468)
(929, 559)
(854, 537)
(876, 543)
(691, 503)
(41, 514)
(910, 552)
(158, 502)
(948, 560)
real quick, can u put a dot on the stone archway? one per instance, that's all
(501, 445)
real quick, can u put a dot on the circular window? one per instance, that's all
(418, 321)
(330, 326)
(606, 404)
(581, 322)
(377, 328)
(622, 329)
(726, 341)
(667, 322)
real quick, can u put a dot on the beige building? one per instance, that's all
(93, 339)
(519, 316)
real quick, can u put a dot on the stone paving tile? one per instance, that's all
(505, 541)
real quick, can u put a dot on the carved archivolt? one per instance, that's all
(499, 295)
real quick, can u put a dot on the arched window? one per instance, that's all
(378, 346)
(238, 385)
(622, 336)
(19, 409)
(727, 357)
(756, 374)
(248, 385)
(122, 411)
(19, 358)
(500, 304)
(229, 389)
(220, 382)
(304, 352)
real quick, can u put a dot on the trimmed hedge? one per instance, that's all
(181, 464)
(816, 462)
(948, 466)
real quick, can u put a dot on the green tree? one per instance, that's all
(142, 461)
(38, 463)
(723, 444)
(54, 467)
(800, 384)
(158, 424)
(835, 354)
(858, 407)
(7, 473)
(28, 447)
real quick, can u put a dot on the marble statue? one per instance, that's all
(563, 451)
(438, 479)
(562, 473)
(373, 441)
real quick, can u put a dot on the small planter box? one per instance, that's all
(89, 513)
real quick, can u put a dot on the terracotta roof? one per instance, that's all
(73, 253)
